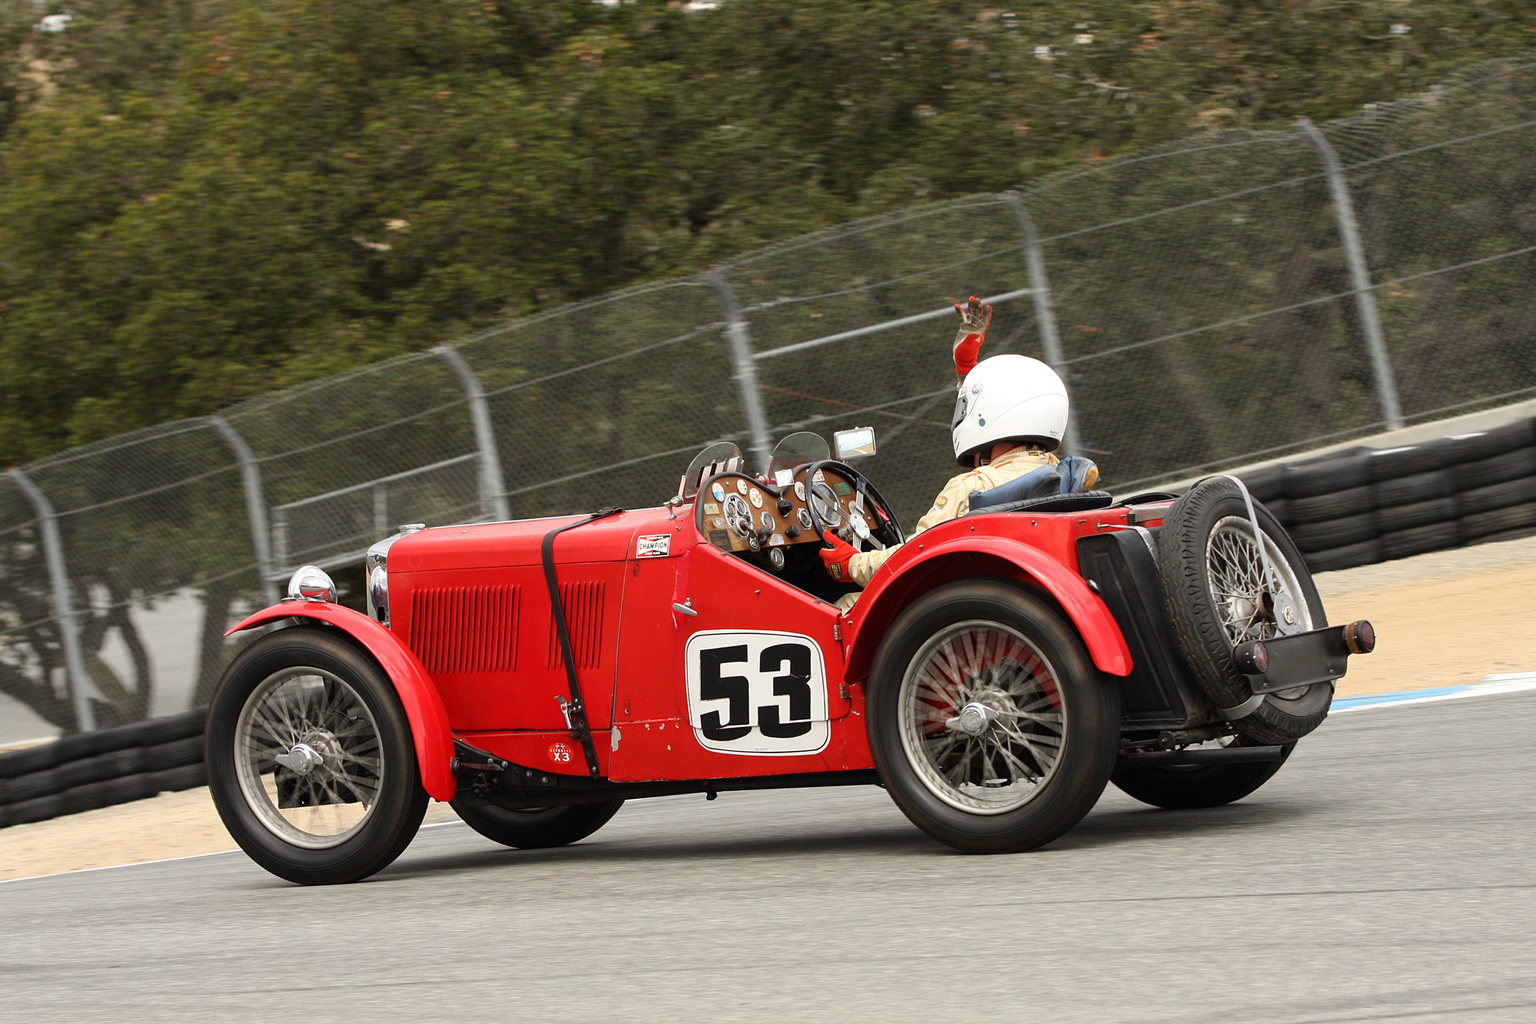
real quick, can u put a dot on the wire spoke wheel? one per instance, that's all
(309, 757)
(988, 723)
(981, 722)
(1220, 591)
(311, 762)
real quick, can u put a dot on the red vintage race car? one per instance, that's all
(998, 670)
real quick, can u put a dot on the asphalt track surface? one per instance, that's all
(1386, 874)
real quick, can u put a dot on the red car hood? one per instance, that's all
(493, 545)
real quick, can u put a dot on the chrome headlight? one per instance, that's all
(311, 583)
(376, 572)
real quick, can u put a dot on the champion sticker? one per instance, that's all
(657, 546)
(800, 489)
(718, 492)
(560, 753)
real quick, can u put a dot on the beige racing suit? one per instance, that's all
(953, 501)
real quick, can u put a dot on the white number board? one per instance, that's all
(753, 692)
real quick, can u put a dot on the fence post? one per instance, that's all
(1360, 277)
(63, 605)
(1045, 316)
(746, 369)
(255, 506)
(493, 492)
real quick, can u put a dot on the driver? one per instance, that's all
(1009, 417)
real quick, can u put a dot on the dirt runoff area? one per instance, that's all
(1442, 619)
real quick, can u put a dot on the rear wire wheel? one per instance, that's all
(1185, 787)
(537, 828)
(310, 759)
(989, 725)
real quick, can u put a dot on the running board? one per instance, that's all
(1203, 755)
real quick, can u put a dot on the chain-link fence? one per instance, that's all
(1232, 297)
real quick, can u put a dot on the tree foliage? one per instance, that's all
(201, 200)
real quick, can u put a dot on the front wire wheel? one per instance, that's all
(311, 762)
(989, 725)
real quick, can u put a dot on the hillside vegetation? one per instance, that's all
(204, 199)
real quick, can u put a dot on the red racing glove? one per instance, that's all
(836, 557)
(974, 321)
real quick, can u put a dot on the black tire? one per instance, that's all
(1189, 787)
(537, 829)
(1405, 490)
(350, 738)
(1421, 539)
(1347, 557)
(1515, 465)
(1391, 463)
(1338, 472)
(1266, 483)
(1486, 499)
(1489, 443)
(1498, 520)
(1336, 533)
(1209, 525)
(1420, 513)
(1040, 741)
(1327, 507)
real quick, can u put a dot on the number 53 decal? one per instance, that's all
(757, 692)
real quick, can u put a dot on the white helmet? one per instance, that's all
(1008, 398)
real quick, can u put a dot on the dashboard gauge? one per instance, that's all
(824, 503)
(776, 557)
(737, 516)
(804, 517)
(800, 489)
(756, 497)
(741, 487)
(767, 520)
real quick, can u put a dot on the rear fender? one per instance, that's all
(420, 699)
(969, 557)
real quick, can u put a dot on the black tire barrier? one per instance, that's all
(1348, 557)
(1420, 513)
(102, 768)
(1485, 499)
(1499, 521)
(1360, 505)
(1337, 472)
(1405, 490)
(1489, 443)
(1334, 533)
(1320, 508)
(1420, 540)
(1510, 466)
(1391, 463)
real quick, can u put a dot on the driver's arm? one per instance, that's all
(952, 502)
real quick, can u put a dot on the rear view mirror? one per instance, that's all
(855, 443)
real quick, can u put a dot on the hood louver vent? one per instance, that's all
(584, 618)
(465, 629)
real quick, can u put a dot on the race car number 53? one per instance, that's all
(757, 692)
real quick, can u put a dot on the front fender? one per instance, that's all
(937, 562)
(418, 696)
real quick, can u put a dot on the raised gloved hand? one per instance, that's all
(836, 557)
(974, 321)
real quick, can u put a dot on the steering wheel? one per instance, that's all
(866, 522)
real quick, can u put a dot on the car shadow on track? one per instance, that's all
(1105, 827)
